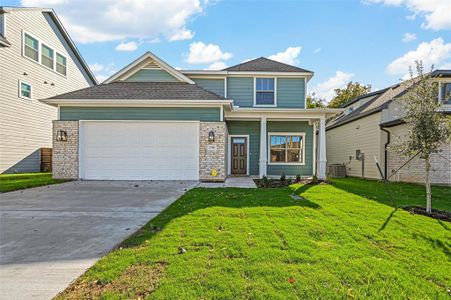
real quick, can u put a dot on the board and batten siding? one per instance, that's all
(293, 127)
(241, 90)
(251, 128)
(291, 92)
(363, 134)
(206, 114)
(26, 125)
(214, 85)
(151, 75)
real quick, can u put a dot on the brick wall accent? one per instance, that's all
(414, 170)
(212, 155)
(65, 154)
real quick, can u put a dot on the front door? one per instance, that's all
(239, 155)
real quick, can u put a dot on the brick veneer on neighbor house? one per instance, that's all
(212, 155)
(65, 154)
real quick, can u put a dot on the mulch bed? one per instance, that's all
(277, 183)
(436, 214)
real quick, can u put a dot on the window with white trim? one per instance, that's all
(47, 56)
(31, 47)
(264, 91)
(61, 66)
(286, 148)
(24, 90)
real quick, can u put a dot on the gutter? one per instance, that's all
(386, 152)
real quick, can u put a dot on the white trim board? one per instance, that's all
(229, 151)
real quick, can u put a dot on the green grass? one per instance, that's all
(13, 182)
(262, 244)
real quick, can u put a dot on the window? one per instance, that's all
(264, 91)
(60, 64)
(446, 92)
(31, 48)
(24, 90)
(286, 148)
(47, 56)
(350, 110)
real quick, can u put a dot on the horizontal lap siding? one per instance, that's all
(139, 113)
(241, 90)
(214, 85)
(150, 75)
(295, 127)
(291, 92)
(252, 129)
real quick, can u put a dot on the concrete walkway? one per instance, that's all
(50, 235)
(238, 182)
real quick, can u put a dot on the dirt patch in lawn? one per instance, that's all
(436, 214)
(136, 282)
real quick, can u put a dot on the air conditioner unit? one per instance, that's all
(337, 171)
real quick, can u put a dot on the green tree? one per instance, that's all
(313, 102)
(429, 128)
(352, 90)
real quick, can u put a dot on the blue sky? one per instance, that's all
(370, 41)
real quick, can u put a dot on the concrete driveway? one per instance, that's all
(50, 235)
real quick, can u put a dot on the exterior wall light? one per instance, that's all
(211, 136)
(61, 136)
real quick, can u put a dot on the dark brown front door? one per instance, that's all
(239, 155)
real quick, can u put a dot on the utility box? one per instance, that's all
(337, 171)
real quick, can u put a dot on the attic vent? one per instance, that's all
(151, 65)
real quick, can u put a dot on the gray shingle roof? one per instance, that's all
(143, 91)
(263, 64)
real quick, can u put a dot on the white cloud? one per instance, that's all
(200, 53)
(317, 50)
(113, 20)
(436, 52)
(289, 56)
(102, 72)
(325, 90)
(96, 67)
(408, 37)
(130, 46)
(217, 66)
(435, 12)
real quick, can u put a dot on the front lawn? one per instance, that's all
(263, 244)
(12, 182)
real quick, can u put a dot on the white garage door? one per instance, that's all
(139, 150)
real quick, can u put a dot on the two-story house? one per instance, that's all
(37, 60)
(151, 121)
(372, 123)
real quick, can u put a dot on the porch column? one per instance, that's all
(322, 149)
(263, 147)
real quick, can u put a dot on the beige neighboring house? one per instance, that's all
(38, 60)
(372, 123)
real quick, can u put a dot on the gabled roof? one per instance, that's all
(120, 90)
(264, 64)
(63, 31)
(358, 98)
(142, 61)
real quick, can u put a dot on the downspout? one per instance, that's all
(386, 152)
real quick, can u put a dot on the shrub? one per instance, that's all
(298, 177)
(265, 181)
(282, 177)
(315, 179)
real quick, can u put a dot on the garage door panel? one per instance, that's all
(140, 150)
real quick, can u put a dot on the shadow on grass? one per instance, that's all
(387, 220)
(204, 198)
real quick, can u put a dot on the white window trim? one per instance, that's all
(20, 90)
(40, 42)
(53, 58)
(229, 150)
(255, 92)
(302, 134)
(56, 63)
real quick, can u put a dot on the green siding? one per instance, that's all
(152, 75)
(214, 85)
(139, 113)
(241, 90)
(304, 170)
(291, 92)
(251, 128)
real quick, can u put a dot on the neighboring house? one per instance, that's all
(372, 123)
(37, 60)
(150, 121)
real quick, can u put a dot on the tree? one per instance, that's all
(429, 128)
(352, 90)
(313, 102)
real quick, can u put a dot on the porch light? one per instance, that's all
(211, 136)
(61, 136)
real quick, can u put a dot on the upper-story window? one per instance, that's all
(445, 92)
(31, 48)
(61, 64)
(265, 91)
(47, 56)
